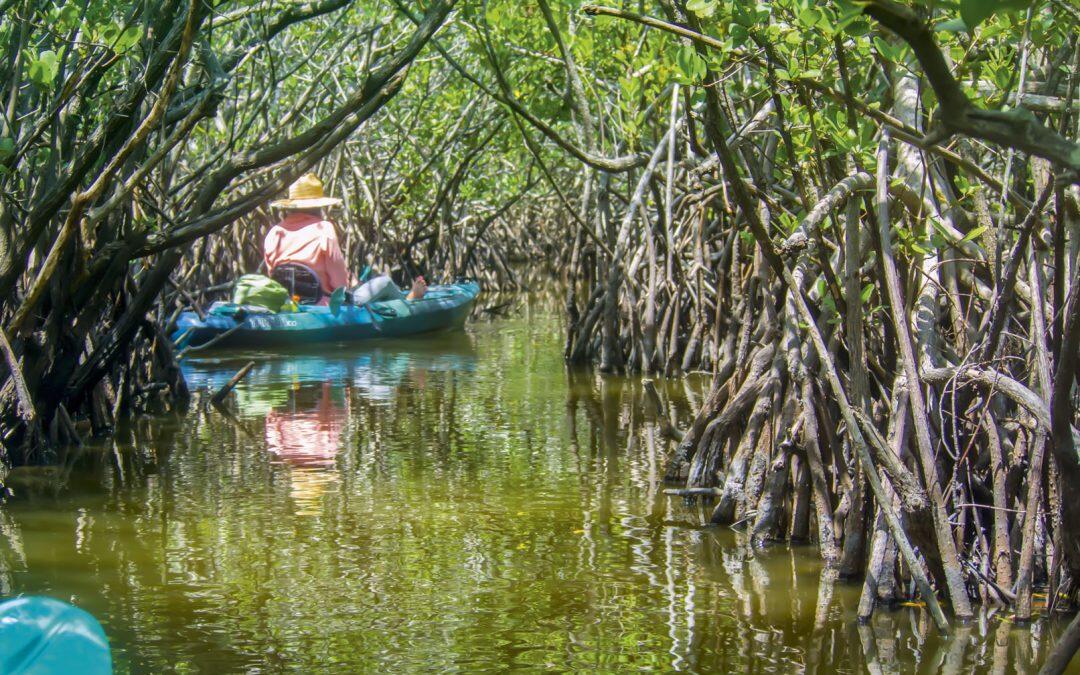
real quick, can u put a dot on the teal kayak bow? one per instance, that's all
(42, 636)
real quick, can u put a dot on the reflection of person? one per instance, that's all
(309, 437)
(303, 250)
(308, 441)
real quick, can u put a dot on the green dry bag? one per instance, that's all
(255, 289)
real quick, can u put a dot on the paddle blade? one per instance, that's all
(43, 635)
(337, 298)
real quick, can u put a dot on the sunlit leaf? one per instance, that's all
(43, 69)
(702, 8)
(810, 16)
(867, 291)
(973, 234)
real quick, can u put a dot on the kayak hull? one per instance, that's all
(442, 308)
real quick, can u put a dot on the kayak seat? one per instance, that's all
(301, 281)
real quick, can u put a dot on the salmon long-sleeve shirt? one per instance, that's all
(312, 241)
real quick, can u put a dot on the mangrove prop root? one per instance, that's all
(221, 393)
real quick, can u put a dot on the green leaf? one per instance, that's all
(858, 26)
(884, 48)
(810, 16)
(43, 69)
(583, 42)
(952, 26)
(970, 236)
(974, 12)
(69, 15)
(691, 65)
(738, 35)
(109, 33)
(7, 147)
(819, 287)
(849, 13)
(867, 291)
(128, 39)
(828, 302)
(702, 8)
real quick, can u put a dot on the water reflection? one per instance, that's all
(376, 371)
(305, 431)
(304, 399)
(456, 503)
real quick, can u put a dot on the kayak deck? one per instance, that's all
(442, 307)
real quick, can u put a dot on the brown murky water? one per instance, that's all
(457, 503)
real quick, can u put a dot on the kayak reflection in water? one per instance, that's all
(305, 400)
(306, 405)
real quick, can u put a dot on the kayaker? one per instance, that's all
(303, 253)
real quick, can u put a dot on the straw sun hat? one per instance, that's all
(306, 193)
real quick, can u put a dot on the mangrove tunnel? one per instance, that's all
(771, 360)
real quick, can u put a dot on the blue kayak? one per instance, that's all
(43, 636)
(442, 307)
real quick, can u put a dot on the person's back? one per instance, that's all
(306, 238)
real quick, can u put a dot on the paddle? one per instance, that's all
(43, 635)
(337, 298)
